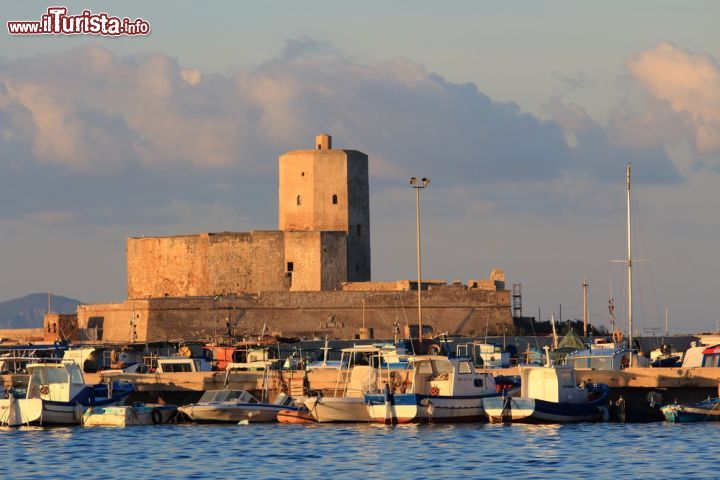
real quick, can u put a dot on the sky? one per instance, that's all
(522, 113)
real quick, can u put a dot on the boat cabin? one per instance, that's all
(58, 382)
(606, 359)
(182, 365)
(484, 355)
(438, 375)
(552, 384)
(711, 357)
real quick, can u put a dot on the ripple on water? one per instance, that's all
(370, 451)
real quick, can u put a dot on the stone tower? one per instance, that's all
(326, 189)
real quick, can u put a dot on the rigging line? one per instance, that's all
(650, 272)
(647, 252)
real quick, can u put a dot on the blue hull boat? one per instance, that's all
(532, 410)
(706, 411)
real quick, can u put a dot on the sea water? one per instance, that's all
(187, 451)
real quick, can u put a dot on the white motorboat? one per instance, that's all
(347, 404)
(128, 415)
(234, 406)
(57, 394)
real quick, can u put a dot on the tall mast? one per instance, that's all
(585, 309)
(629, 262)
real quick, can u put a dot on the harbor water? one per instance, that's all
(186, 451)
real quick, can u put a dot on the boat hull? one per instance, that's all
(295, 416)
(416, 408)
(253, 413)
(37, 411)
(338, 409)
(708, 411)
(125, 416)
(20, 411)
(531, 410)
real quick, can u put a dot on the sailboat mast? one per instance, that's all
(629, 262)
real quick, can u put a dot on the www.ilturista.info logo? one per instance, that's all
(57, 22)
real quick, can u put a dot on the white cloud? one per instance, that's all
(686, 86)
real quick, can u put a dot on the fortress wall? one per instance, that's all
(333, 248)
(116, 320)
(168, 266)
(358, 257)
(302, 249)
(337, 314)
(268, 261)
(229, 263)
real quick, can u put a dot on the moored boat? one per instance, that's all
(128, 415)
(347, 404)
(705, 411)
(58, 395)
(233, 406)
(550, 394)
(442, 389)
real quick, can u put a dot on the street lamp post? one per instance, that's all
(418, 185)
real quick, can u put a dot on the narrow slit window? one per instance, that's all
(290, 266)
(334, 199)
(302, 174)
(298, 200)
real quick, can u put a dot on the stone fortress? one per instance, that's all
(310, 278)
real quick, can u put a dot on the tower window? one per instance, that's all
(359, 229)
(334, 199)
(302, 174)
(298, 200)
(290, 266)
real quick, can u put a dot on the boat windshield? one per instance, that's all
(442, 366)
(220, 396)
(76, 376)
(56, 375)
(591, 361)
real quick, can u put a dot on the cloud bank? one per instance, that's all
(89, 137)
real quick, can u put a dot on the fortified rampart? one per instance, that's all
(226, 263)
(337, 314)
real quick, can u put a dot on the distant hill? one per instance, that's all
(28, 311)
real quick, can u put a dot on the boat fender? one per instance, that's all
(434, 391)
(156, 416)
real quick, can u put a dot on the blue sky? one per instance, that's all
(522, 113)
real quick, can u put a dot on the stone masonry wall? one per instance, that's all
(337, 314)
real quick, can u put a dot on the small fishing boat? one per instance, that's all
(58, 395)
(705, 411)
(234, 406)
(441, 389)
(128, 415)
(550, 394)
(347, 402)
